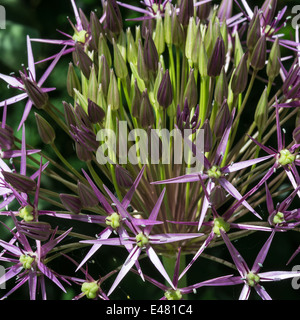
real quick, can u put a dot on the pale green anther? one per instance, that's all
(90, 289)
(278, 218)
(286, 157)
(26, 261)
(113, 220)
(80, 36)
(141, 240)
(214, 172)
(220, 223)
(252, 279)
(26, 213)
(173, 294)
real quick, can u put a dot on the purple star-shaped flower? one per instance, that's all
(215, 173)
(28, 263)
(252, 278)
(16, 82)
(141, 240)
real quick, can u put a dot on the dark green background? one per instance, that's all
(41, 19)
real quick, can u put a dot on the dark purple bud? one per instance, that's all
(6, 137)
(82, 153)
(82, 117)
(165, 91)
(19, 182)
(45, 130)
(38, 97)
(136, 101)
(217, 59)
(291, 85)
(254, 31)
(85, 137)
(84, 20)
(150, 54)
(268, 10)
(148, 25)
(208, 136)
(146, 112)
(217, 196)
(71, 202)
(203, 11)
(296, 135)
(240, 76)
(186, 11)
(73, 81)
(87, 196)
(123, 177)
(69, 114)
(259, 55)
(96, 30)
(225, 10)
(36, 230)
(222, 120)
(221, 90)
(84, 61)
(95, 113)
(113, 18)
(177, 30)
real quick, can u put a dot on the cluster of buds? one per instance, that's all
(185, 69)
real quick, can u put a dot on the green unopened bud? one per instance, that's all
(26, 213)
(177, 30)
(168, 24)
(113, 95)
(96, 29)
(90, 289)
(273, 66)
(254, 31)
(132, 49)
(104, 73)
(203, 60)
(103, 49)
(259, 55)
(93, 85)
(136, 100)
(191, 92)
(69, 114)
(261, 113)
(221, 90)
(45, 130)
(240, 76)
(190, 38)
(196, 45)
(159, 37)
(119, 63)
(146, 112)
(72, 81)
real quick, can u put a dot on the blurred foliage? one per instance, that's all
(43, 19)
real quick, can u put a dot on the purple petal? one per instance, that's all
(244, 164)
(49, 274)
(52, 243)
(126, 200)
(236, 257)
(234, 192)
(262, 292)
(12, 81)
(158, 265)
(155, 211)
(262, 254)
(128, 264)
(266, 149)
(25, 113)
(278, 275)
(30, 59)
(269, 200)
(99, 195)
(245, 293)
(172, 237)
(14, 99)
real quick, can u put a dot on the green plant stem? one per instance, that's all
(66, 163)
